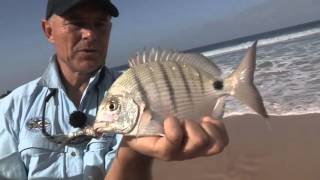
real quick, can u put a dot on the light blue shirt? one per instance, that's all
(26, 154)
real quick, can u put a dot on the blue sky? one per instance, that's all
(178, 24)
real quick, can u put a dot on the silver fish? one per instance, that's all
(160, 83)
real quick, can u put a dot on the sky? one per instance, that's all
(176, 24)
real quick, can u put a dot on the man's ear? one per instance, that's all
(47, 30)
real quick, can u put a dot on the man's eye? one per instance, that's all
(77, 24)
(101, 25)
(74, 25)
(98, 25)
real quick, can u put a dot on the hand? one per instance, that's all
(183, 140)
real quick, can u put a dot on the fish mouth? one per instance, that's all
(100, 124)
(103, 127)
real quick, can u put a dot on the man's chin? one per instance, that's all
(89, 68)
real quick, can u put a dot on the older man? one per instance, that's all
(35, 114)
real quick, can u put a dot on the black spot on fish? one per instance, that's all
(218, 85)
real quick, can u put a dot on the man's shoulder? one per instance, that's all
(20, 94)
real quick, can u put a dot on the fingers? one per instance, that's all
(206, 138)
(183, 140)
(173, 130)
(196, 140)
(218, 137)
(173, 133)
(168, 147)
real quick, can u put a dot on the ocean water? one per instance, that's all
(287, 72)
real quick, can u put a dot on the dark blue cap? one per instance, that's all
(61, 6)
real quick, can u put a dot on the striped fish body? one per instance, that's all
(162, 83)
(171, 88)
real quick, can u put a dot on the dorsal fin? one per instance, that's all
(159, 55)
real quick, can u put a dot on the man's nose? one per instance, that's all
(88, 33)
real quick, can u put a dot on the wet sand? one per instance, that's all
(289, 151)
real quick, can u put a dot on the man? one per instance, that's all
(35, 114)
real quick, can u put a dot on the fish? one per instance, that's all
(161, 83)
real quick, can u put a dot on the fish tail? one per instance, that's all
(240, 83)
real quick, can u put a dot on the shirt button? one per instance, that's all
(73, 154)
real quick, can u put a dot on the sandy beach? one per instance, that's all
(289, 150)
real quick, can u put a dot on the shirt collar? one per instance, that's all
(51, 76)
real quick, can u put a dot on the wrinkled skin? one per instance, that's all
(80, 38)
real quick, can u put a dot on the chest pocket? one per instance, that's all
(41, 156)
(96, 156)
(38, 145)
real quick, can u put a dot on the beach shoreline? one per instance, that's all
(288, 149)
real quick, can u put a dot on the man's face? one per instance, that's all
(80, 37)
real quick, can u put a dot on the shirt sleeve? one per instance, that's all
(11, 164)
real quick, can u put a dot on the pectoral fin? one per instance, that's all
(146, 126)
(218, 109)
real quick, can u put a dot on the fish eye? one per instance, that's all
(113, 105)
(218, 85)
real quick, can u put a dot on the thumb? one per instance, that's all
(168, 146)
(173, 131)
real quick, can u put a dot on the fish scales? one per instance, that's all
(179, 83)
(169, 84)
(175, 88)
(161, 83)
